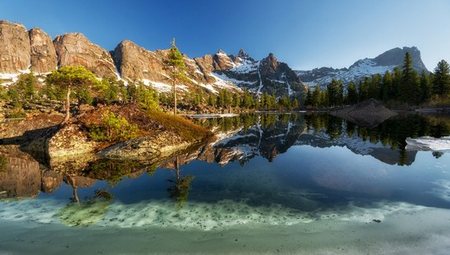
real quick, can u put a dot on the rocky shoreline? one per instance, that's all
(43, 136)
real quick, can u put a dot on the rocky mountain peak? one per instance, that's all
(15, 47)
(136, 63)
(222, 61)
(43, 53)
(242, 54)
(269, 64)
(395, 57)
(76, 49)
(386, 61)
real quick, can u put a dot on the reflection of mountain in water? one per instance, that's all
(237, 139)
(271, 135)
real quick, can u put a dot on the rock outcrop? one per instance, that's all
(138, 64)
(368, 113)
(222, 61)
(76, 49)
(14, 48)
(43, 53)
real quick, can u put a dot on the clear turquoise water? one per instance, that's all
(296, 185)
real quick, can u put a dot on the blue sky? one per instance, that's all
(305, 34)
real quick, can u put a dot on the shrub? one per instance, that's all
(3, 163)
(113, 128)
(16, 113)
(180, 125)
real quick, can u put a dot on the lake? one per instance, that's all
(267, 183)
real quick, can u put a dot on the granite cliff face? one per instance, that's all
(43, 53)
(14, 48)
(136, 64)
(76, 49)
(24, 51)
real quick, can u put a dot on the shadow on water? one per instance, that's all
(207, 172)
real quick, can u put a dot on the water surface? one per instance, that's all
(293, 183)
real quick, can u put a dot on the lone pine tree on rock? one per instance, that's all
(70, 77)
(177, 69)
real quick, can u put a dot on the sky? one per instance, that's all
(303, 33)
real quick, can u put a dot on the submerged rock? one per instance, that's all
(368, 113)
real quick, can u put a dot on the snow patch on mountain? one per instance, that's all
(230, 80)
(386, 61)
(245, 66)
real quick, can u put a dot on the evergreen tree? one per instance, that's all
(177, 70)
(375, 86)
(409, 85)
(363, 89)
(335, 93)
(352, 94)
(26, 86)
(425, 87)
(316, 97)
(70, 77)
(441, 80)
(308, 99)
(396, 83)
(387, 91)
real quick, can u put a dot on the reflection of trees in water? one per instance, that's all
(225, 124)
(392, 132)
(246, 121)
(84, 213)
(114, 170)
(179, 189)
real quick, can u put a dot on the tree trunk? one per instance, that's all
(177, 169)
(174, 98)
(66, 119)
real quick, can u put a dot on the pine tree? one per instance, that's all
(387, 91)
(335, 93)
(177, 70)
(352, 94)
(316, 97)
(409, 86)
(70, 77)
(363, 89)
(308, 99)
(396, 83)
(425, 87)
(441, 80)
(375, 86)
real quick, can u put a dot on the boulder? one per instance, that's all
(368, 113)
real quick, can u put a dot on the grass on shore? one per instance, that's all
(180, 125)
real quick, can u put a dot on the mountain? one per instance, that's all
(25, 51)
(267, 75)
(363, 67)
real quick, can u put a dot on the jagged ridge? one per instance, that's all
(25, 51)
